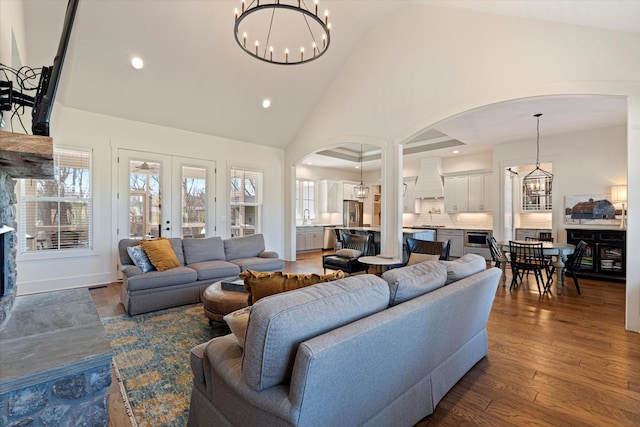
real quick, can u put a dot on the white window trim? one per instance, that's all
(58, 253)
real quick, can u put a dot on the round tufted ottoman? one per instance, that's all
(219, 302)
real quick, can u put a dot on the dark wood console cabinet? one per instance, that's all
(605, 255)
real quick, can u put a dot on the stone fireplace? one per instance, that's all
(54, 355)
(7, 248)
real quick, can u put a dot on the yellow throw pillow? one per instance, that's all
(416, 258)
(261, 284)
(160, 253)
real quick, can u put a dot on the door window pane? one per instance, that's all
(194, 201)
(145, 198)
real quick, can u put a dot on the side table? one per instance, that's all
(383, 261)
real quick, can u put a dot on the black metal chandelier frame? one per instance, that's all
(538, 180)
(290, 58)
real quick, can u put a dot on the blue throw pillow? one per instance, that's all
(140, 258)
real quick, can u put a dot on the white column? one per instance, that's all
(632, 322)
(391, 224)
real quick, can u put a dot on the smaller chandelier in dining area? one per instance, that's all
(538, 182)
(361, 191)
(282, 32)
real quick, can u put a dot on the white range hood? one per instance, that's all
(429, 184)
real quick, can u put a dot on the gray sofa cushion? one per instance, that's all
(176, 244)
(159, 279)
(259, 264)
(279, 323)
(414, 280)
(215, 269)
(199, 250)
(464, 266)
(243, 247)
(123, 244)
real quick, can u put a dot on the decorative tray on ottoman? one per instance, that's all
(233, 284)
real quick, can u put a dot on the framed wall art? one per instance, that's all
(592, 209)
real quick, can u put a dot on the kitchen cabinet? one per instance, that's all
(309, 238)
(331, 196)
(468, 193)
(457, 240)
(480, 192)
(483, 252)
(532, 233)
(348, 191)
(456, 193)
(409, 202)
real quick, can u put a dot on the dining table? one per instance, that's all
(558, 251)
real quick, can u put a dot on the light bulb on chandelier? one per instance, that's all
(282, 24)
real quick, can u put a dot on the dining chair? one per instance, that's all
(495, 252)
(527, 257)
(574, 263)
(547, 258)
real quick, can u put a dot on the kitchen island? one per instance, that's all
(416, 233)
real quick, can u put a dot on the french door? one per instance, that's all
(165, 196)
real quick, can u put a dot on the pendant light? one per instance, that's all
(538, 182)
(361, 191)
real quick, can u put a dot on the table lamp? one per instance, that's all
(619, 195)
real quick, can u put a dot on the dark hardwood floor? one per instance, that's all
(557, 360)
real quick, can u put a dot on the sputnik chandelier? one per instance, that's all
(282, 32)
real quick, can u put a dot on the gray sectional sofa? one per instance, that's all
(371, 351)
(202, 262)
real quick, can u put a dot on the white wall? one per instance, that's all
(38, 272)
(11, 22)
(586, 162)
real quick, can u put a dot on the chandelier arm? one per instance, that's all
(306, 21)
(273, 14)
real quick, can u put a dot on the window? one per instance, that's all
(246, 202)
(57, 214)
(305, 199)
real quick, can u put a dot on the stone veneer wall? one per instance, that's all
(78, 400)
(55, 362)
(8, 217)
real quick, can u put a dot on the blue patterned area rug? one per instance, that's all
(151, 352)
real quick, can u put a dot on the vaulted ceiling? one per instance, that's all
(196, 78)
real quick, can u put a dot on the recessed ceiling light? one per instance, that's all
(266, 103)
(137, 63)
(455, 151)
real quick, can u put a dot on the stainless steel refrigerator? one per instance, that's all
(352, 213)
